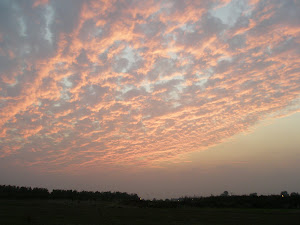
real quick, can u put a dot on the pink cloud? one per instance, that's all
(145, 83)
(39, 2)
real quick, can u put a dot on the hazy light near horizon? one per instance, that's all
(140, 82)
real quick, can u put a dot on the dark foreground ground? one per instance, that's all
(56, 212)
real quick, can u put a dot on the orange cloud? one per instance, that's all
(39, 2)
(143, 84)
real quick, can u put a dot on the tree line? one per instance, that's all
(224, 200)
(232, 201)
(16, 192)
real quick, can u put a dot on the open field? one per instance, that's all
(44, 212)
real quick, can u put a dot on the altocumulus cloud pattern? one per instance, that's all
(140, 82)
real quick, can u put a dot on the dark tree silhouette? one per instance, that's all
(222, 201)
(225, 194)
(284, 194)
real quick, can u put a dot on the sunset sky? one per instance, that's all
(163, 98)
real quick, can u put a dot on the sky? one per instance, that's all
(164, 98)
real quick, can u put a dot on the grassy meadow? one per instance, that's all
(56, 212)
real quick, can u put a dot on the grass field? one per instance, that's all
(56, 212)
